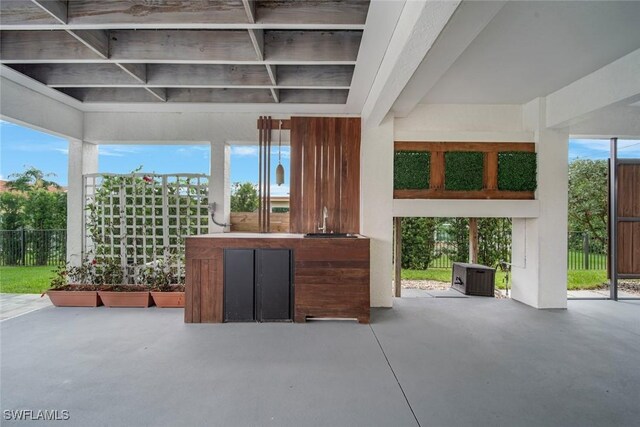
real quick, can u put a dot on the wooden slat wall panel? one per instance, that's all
(325, 171)
(629, 215)
(629, 191)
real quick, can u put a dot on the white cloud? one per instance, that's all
(116, 150)
(4, 123)
(244, 150)
(282, 190)
(27, 146)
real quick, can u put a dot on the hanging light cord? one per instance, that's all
(279, 141)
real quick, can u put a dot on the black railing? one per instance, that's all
(586, 252)
(33, 247)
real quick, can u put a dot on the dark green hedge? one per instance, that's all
(517, 171)
(463, 170)
(411, 170)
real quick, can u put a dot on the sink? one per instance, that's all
(330, 235)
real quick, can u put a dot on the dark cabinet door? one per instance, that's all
(239, 280)
(273, 285)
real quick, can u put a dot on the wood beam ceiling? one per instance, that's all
(223, 51)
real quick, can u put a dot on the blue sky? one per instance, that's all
(20, 147)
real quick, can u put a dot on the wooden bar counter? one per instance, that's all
(330, 275)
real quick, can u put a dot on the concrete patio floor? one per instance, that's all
(427, 362)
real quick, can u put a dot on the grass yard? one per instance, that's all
(25, 280)
(577, 279)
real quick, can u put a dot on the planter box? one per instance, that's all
(125, 299)
(74, 298)
(168, 299)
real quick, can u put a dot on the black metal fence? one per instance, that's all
(33, 247)
(586, 252)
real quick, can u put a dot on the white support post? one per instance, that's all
(376, 216)
(219, 186)
(83, 159)
(539, 251)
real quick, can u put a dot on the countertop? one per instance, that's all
(268, 236)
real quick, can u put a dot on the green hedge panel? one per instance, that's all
(411, 170)
(463, 170)
(517, 171)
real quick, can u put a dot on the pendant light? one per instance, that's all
(280, 168)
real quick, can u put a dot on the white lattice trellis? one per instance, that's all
(140, 218)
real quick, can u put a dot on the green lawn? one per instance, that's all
(25, 280)
(34, 280)
(577, 279)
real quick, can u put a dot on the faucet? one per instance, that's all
(325, 215)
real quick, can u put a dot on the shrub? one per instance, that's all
(411, 170)
(418, 238)
(463, 170)
(517, 171)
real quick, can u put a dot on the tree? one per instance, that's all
(244, 197)
(418, 241)
(588, 198)
(458, 247)
(31, 179)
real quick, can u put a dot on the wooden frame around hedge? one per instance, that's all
(436, 188)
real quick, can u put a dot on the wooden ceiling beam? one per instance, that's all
(160, 93)
(257, 96)
(315, 75)
(250, 10)
(43, 46)
(219, 14)
(273, 73)
(311, 45)
(257, 39)
(276, 94)
(181, 45)
(319, 96)
(90, 95)
(137, 71)
(96, 40)
(77, 75)
(57, 9)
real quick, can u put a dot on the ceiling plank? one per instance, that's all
(76, 74)
(250, 9)
(96, 40)
(313, 11)
(273, 75)
(220, 95)
(160, 93)
(91, 12)
(204, 74)
(257, 39)
(276, 94)
(18, 12)
(108, 95)
(315, 75)
(137, 71)
(320, 96)
(181, 45)
(311, 45)
(43, 46)
(56, 8)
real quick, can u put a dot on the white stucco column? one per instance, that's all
(376, 207)
(83, 159)
(539, 251)
(220, 186)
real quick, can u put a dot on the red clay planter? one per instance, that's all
(168, 299)
(125, 299)
(74, 298)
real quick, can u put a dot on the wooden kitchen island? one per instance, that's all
(329, 276)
